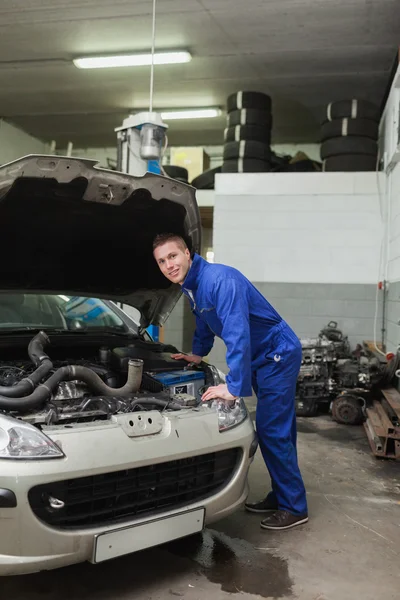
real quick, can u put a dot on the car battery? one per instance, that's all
(182, 382)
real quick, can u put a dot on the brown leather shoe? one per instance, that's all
(282, 519)
(263, 506)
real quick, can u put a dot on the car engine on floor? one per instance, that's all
(139, 376)
(331, 375)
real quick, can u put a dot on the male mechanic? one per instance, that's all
(262, 352)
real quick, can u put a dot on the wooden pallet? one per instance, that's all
(382, 425)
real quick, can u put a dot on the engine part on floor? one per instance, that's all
(382, 424)
(348, 409)
(306, 407)
(349, 145)
(329, 369)
(249, 149)
(389, 372)
(350, 162)
(176, 172)
(257, 133)
(245, 165)
(244, 99)
(206, 181)
(341, 342)
(249, 116)
(352, 109)
(349, 127)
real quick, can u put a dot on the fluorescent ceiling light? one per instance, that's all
(194, 113)
(132, 60)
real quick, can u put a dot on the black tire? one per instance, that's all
(347, 410)
(306, 408)
(245, 165)
(256, 100)
(257, 133)
(350, 162)
(247, 150)
(249, 116)
(352, 109)
(176, 172)
(349, 127)
(206, 180)
(348, 145)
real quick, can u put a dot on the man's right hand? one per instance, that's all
(191, 358)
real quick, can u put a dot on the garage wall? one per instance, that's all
(393, 292)
(390, 152)
(15, 143)
(309, 242)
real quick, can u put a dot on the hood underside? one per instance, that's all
(70, 227)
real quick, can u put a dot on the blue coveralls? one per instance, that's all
(263, 353)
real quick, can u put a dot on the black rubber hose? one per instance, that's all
(35, 348)
(97, 385)
(73, 372)
(39, 395)
(39, 359)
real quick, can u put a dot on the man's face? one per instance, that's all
(174, 262)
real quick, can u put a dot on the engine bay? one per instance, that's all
(80, 379)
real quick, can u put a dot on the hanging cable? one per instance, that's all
(152, 57)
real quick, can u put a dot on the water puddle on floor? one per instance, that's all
(236, 565)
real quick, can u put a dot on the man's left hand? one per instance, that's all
(218, 391)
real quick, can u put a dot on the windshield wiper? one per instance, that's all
(25, 328)
(57, 330)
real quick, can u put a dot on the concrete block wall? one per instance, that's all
(389, 142)
(393, 260)
(310, 242)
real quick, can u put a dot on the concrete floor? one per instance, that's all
(349, 550)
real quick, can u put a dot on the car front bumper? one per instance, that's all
(28, 544)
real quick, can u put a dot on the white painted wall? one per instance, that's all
(390, 153)
(393, 220)
(14, 143)
(299, 227)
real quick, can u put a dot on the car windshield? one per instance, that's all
(61, 312)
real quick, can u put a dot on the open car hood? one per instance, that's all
(70, 227)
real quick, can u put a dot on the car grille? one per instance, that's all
(122, 495)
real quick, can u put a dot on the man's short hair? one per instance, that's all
(163, 238)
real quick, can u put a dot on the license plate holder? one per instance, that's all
(134, 538)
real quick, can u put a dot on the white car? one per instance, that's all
(105, 445)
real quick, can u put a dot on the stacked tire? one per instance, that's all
(247, 138)
(349, 136)
(206, 181)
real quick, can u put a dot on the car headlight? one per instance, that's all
(19, 440)
(230, 415)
